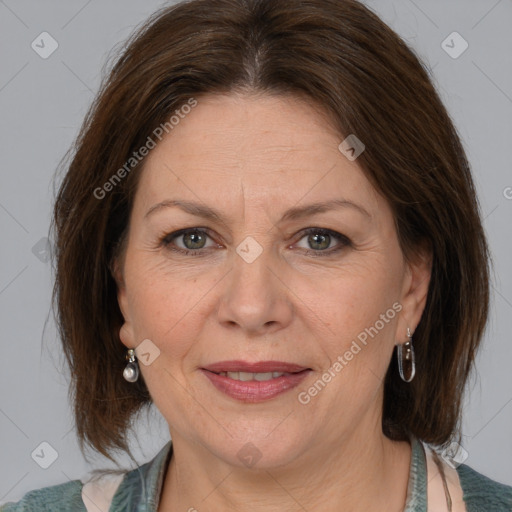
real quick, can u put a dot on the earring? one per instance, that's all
(131, 371)
(406, 360)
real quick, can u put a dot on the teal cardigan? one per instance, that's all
(140, 488)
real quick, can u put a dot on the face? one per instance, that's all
(235, 264)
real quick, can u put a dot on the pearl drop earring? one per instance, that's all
(131, 371)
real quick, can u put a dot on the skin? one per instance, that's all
(252, 157)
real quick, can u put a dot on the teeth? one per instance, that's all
(263, 376)
(246, 376)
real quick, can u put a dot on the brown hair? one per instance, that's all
(342, 57)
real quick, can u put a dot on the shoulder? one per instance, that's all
(57, 498)
(119, 490)
(483, 494)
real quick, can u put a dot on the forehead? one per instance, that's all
(270, 146)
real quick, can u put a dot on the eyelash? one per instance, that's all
(343, 241)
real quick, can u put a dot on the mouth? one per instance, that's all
(255, 382)
(248, 376)
(259, 367)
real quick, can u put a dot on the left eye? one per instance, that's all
(319, 240)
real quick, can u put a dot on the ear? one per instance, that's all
(414, 291)
(126, 333)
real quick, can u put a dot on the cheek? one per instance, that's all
(349, 300)
(355, 314)
(357, 332)
(168, 307)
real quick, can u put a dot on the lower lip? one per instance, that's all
(253, 390)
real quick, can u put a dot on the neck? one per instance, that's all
(361, 473)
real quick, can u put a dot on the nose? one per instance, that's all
(255, 297)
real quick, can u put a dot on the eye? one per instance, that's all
(193, 241)
(187, 241)
(320, 241)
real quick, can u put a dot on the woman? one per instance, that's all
(269, 229)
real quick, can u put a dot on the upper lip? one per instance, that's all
(256, 367)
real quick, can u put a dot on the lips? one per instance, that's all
(255, 382)
(256, 367)
(253, 391)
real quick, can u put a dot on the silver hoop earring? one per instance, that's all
(406, 359)
(131, 371)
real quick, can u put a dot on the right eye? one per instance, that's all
(188, 241)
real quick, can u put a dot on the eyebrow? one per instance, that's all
(295, 213)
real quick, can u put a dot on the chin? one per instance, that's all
(260, 451)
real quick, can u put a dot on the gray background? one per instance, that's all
(42, 104)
